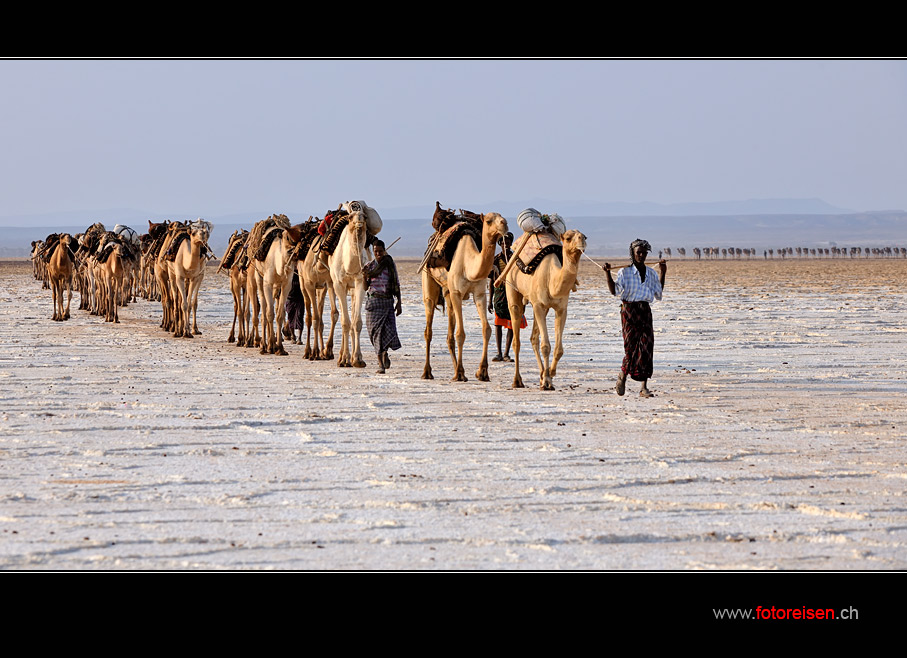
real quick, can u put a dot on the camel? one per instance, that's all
(253, 308)
(185, 274)
(38, 265)
(162, 275)
(467, 274)
(151, 248)
(60, 272)
(236, 261)
(345, 266)
(133, 243)
(272, 274)
(111, 266)
(316, 286)
(547, 288)
(86, 258)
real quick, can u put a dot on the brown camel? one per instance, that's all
(467, 275)
(547, 288)
(59, 272)
(162, 275)
(236, 262)
(111, 270)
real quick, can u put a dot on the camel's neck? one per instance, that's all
(286, 257)
(562, 283)
(195, 254)
(61, 256)
(352, 256)
(480, 265)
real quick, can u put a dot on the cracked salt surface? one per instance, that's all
(774, 440)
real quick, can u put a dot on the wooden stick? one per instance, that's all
(524, 239)
(428, 252)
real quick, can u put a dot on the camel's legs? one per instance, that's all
(311, 323)
(66, 315)
(243, 295)
(481, 301)
(344, 361)
(560, 321)
(456, 336)
(234, 289)
(280, 306)
(328, 353)
(56, 291)
(182, 314)
(253, 337)
(430, 292)
(194, 288)
(268, 341)
(356, 305)
(542, 346)
(516, 318)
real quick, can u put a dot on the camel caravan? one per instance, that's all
(167, 264)
(327, 255)
(542, 272)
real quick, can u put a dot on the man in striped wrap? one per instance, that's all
(637, 285)
(383, 286)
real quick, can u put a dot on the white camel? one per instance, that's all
(345, 266)
(467, 275)
(547, 288)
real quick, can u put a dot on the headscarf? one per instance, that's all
(638, 242)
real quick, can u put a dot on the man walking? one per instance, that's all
(383, 286)
(637, 285)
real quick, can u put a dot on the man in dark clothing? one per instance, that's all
(382, 285)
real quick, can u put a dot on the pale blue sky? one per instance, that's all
(209, 138)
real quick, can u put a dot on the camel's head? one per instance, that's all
(574, 242)
(155, 230)
(494, 226)
(357, 221)
(294, 234)
(200, 230)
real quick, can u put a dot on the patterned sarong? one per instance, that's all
(381, 322)
(639, 340)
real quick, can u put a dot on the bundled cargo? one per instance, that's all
(532, 221)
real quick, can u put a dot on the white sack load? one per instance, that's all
(127, 234)
(372, 218)
(532, 221)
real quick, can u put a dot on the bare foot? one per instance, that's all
(621, 383)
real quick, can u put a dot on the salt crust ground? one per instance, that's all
(774, 441)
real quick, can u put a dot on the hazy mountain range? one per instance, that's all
(609, 227)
